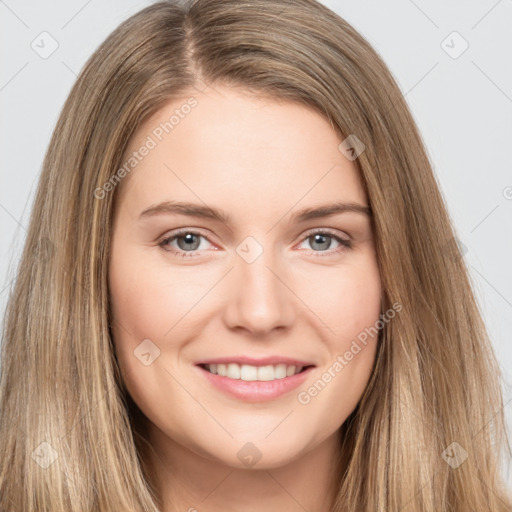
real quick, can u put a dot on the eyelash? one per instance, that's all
(345, 243)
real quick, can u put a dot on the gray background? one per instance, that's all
(461, 99)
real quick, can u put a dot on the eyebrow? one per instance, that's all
(207, 212)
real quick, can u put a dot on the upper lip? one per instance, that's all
(252, 361)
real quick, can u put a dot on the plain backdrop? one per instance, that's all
(452, 60)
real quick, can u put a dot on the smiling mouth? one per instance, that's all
(249, 373)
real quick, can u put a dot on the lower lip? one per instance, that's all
(256, 391)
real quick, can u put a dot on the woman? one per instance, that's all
(318, 346)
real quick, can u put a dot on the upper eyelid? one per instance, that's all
(330, 231)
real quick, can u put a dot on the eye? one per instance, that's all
(188, 243)
(322, 240)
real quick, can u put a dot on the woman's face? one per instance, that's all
(222, 256)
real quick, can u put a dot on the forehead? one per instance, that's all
(239, 148)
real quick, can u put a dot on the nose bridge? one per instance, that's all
(259, 300)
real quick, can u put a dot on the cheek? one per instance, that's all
(139, 312)
(152, 302)
(346, 299)
(349, 306)
(357, 326)
(145, 304)
(147, 300)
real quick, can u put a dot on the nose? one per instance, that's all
(260, 300)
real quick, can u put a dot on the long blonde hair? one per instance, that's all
(70, 437)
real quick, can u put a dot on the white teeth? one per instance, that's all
(233, 371)
(266, 373)
(250, 373)
(280, 371)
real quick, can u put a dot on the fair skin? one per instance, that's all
(303, 297)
